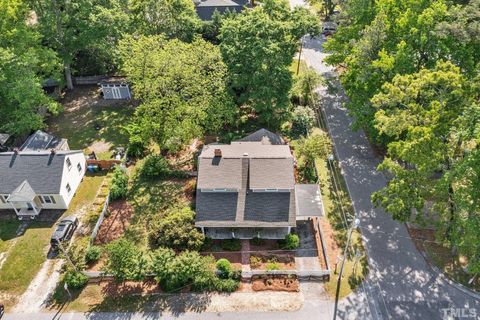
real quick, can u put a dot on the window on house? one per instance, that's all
(69, 163)
(69, 189)
(48, 199)
(79, 167)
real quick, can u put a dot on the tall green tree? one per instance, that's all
(432, 118)
(83, 26)
(24, 65)
(258, 46)
(182, 87)
(174, 18)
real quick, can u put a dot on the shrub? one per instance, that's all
(177, 230)
(135, 150)
(154, 165)
(255, 261)
(125, 261)
(225, 268)
(93, 254)
(272, 266)
(257, 241)
(207, 244)
(292, 241)
(226, 285)
(119, 187)
(231, 244)
(74, 279)
(303, 118)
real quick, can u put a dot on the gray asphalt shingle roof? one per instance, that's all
(244, 166)
(308, 200)
(42, 169)
(264, 136)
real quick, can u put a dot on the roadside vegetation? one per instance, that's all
(410, 70)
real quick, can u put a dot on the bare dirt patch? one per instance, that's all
(330, 242)
(115, 224)
(275, 283)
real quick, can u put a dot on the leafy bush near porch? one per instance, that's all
(231, 244)
(74, 279)
(119, 187)
(177, 230)
(224, 267)
(292, 241)
(255, 262)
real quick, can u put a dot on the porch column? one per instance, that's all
(13, 206)
(34, 208)
(289, 230)
(203, 230)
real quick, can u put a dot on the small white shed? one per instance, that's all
(115, 91)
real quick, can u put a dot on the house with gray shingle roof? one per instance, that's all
(247, 189)
(206, 8)
(34, 180)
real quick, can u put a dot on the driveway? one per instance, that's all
(401, 285)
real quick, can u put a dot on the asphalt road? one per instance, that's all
(401, 284)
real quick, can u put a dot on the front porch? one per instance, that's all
(25, 202)
(246, 233)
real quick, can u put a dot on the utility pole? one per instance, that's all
(354, 226)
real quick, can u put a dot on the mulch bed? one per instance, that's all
(285, 261)
(330, 243)
(275, 283)
(115, 224)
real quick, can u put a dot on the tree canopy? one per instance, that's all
(182, 87)
(258, 46)
(24, 65)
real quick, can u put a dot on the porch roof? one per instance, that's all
(308, 200)
(23, 193)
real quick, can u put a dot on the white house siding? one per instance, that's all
(72, 177)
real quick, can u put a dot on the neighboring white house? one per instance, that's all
(34, 180)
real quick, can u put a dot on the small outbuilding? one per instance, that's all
(115, 91)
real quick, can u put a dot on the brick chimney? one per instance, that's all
(218, 153)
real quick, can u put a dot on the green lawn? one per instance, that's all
(78, 126)
(25, 258)
(28, 253)
(8, 229)
(294, 66)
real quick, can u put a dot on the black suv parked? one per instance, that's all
(64, 231)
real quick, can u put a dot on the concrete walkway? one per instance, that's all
(401, 284)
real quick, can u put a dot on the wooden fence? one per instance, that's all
(90, 80)
(104, 164)
(100, 220)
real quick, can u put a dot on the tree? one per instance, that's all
(303, 119)
(258, 46)
(317, 145)
(177, 230)
(119, 188)
(90, 27)
(173, 272)
(304, 86)
(182, 87)
(24, 65)
(174, 18)
(391, 38)
(125, 261)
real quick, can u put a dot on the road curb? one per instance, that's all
(439, 273)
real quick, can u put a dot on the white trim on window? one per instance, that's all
(46, 199)
(69, 189)
(79, 167)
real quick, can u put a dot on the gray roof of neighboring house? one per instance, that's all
(23, 192)
(3, 138)
(264, 136)
(41, 140)
(206, 8)
(242, 167)
(308, 200)
(42, 169)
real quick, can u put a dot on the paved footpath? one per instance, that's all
(401, 284)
